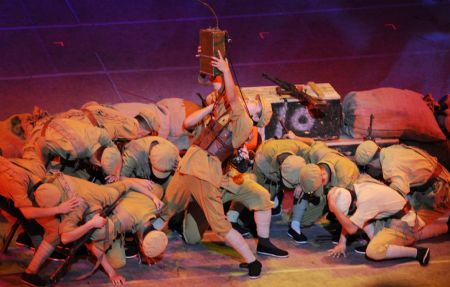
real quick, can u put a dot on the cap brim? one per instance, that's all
(287, 184)
(160, 174)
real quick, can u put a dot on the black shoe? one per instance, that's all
(267, 248)
(33, 279)
(254, 268)
(57, 256)
(241, 229)
(298, 237)
(24, 240)
(423, 255)
(131, 251)
(276, 211)
(361, 249)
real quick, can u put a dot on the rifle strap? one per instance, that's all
(106, 242)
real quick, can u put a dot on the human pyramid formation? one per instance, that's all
(179, 160)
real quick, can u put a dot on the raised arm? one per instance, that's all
(193, 119)
(222, 64)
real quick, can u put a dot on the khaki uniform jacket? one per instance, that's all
(118, 126)
(134, 210)
(375, 201)
(318, 151)
(344, 172)
(135, 157)
(178, 110)
(73, 139)
(267, 153)
(161, 112)
(16, 183)
(197, 162)
(94, 197)
(405, 167)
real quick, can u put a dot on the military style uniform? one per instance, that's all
(136, 154)
(248, 193)
(405, 167)
(72, 140)
(414, 173)
(343, 173)
(160, 115)
(131, 214)
(178, 110)
(378, 206)
(17, 179)
(267, 167)
(118, 126)
(199, 174)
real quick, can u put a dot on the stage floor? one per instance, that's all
(212, 263)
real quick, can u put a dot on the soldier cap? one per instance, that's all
(164, 159)
(154, 243)
(365, 152)
(311, 178)
(290, 170)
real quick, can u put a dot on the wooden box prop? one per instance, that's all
(211, 40)
(296, 117)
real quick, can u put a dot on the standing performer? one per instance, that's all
(199, 173)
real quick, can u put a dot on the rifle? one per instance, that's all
(64, 267)
(369, 129)
(286, 88)
(283, 125)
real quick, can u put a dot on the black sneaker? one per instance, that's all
(131, 251)
(423, 255)
(57, 256)
(24, 240)
(254, 268)
(269, 249)
(276, 211)
(361, 249)
(298, 237)
(33, 279)
(241, 229)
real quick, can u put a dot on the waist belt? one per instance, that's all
(434, 176)
(90, 117)
(406, 208)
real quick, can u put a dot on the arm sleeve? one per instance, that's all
(71, 220)
(118, 187)
(398, 180)
(21, 199)
(362, 216)
(129, 165)
(241, 123)
(104, 138)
